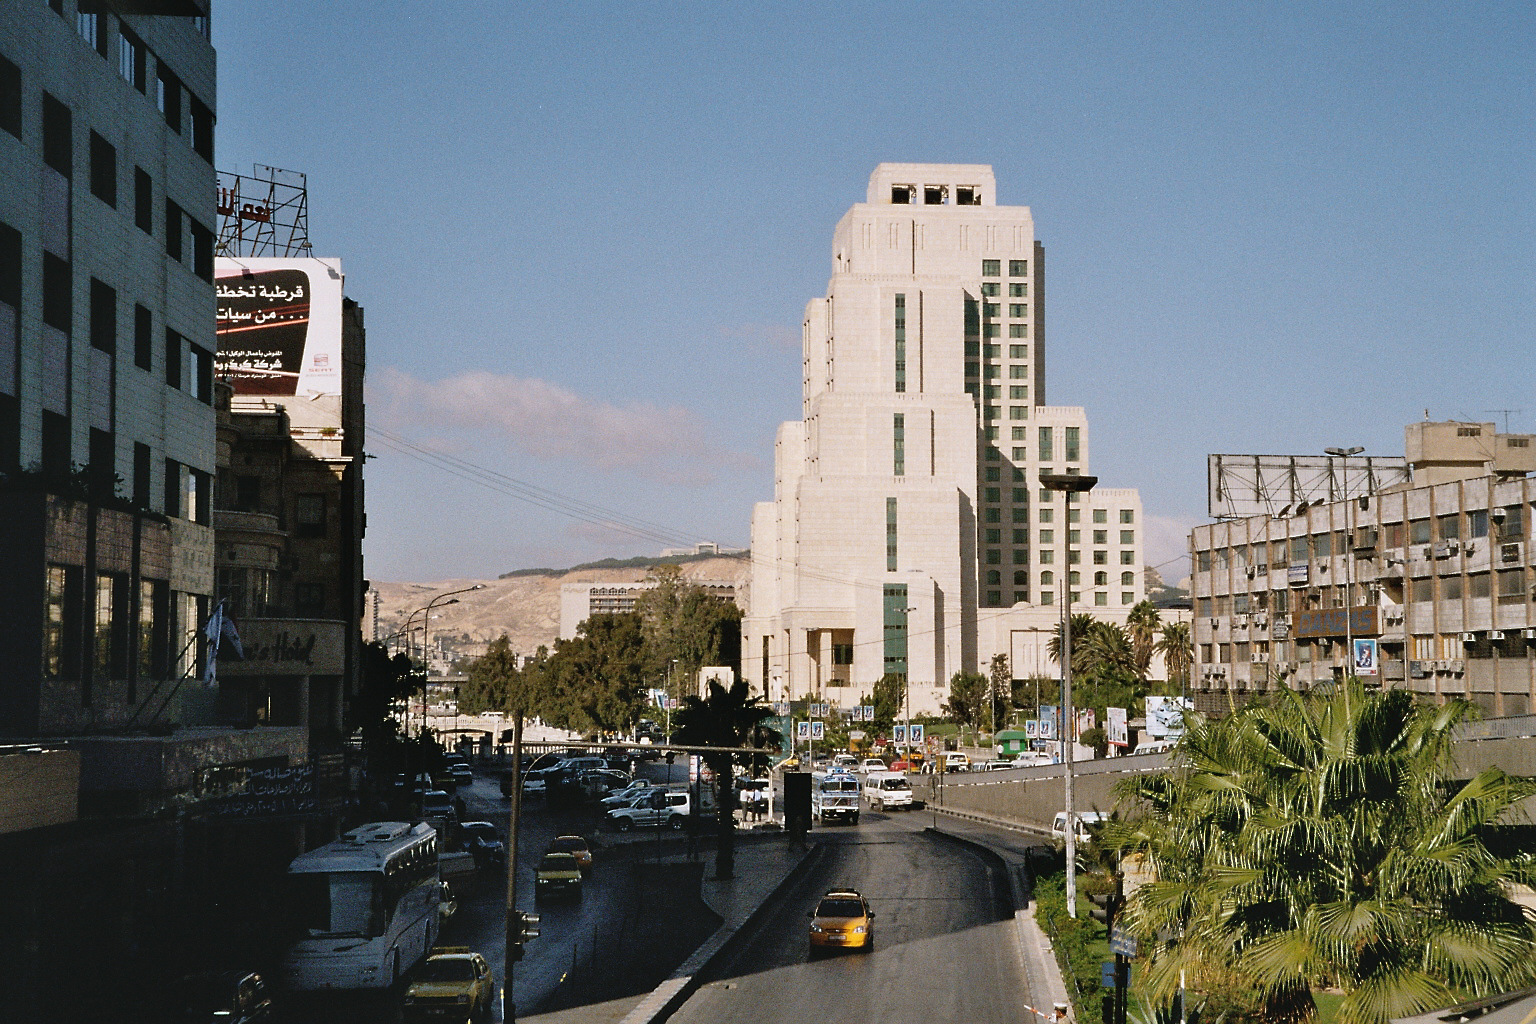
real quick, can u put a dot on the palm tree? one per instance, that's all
(1141, 629)
(1178, 652)
(1081, 624)
(1320, 841)
(1104, 651)
(729, 718)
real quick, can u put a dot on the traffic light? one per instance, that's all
(522, 928)
(1106, 906)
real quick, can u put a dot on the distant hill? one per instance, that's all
(1161, 594)
(525, 603)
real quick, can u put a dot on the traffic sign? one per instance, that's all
(1122, 942)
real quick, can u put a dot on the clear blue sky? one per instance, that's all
(584, 234)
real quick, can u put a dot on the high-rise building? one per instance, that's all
(107, 444)
(909, 533)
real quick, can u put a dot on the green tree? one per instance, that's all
(1320, 840)
(888, 697)
(1141, 627)
(1178, 652)
(687, 624)
(967, 698)
(999, 688)
(726, 718)
(596, 679)
(1080, 625)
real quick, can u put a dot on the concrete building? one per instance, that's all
(909, 533)
(581, 601)
(1438, 570)
(106, 359)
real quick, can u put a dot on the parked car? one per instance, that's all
(559, 875)
(230, 997)
(462, 773)
(626, 796)
(436, 803)
(842, 920)
(658, 807)
(601, 781)
(454, 979)
(872, 764)
(1088, 823)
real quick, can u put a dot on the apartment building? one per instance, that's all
(106, 359)
(909, 533)
(1438, 570)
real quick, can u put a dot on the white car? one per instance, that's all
(871, 764)
(1087, 823)
(626, 796)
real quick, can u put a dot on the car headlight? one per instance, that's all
(860, 930)
(815, 927)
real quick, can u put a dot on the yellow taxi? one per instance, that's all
(577, 847)
(842, 920)
(454, 984)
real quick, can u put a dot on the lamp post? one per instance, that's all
(1349, 544)
(1068, 484)
(425, 622)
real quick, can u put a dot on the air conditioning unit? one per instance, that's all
(1468, 638)
(1438, 666)
(1457, 666)
(1251, 571)
(1528, 634)
(1495, 634)
(1260, 622)
(1365, 538)
(1240, 620)
(1446, 549)
(1510, 552)
(1215, 622)
(1260, 659)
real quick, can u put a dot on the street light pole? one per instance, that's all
(1349, 544)
(1068, 484)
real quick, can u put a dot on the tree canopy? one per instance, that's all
(1322, 840)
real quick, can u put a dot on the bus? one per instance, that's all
(835, 795)
(366, 906)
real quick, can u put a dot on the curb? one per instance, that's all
(666, 998)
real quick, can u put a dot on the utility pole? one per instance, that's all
(1068, 484)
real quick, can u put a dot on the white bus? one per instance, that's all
(368, 906)
(835, 795)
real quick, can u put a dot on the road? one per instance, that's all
(945, 943)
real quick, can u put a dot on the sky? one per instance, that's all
(584, 234)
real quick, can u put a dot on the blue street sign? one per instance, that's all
(1122, 942)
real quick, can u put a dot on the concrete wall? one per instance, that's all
(38, 788)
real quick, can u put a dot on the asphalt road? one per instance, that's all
(945, 947)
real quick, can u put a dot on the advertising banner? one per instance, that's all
(803, 730)
(1031, 728)
(1165, 719)
(898, 734)
(1086, 720)
(1115, 726)
(915, 733)
(1048, 713)
(1365, 657)
(818, 730)
(279, 325)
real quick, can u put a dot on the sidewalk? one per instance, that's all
(763, 864)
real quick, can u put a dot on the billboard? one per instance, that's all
(1117, 727)
(279, 325)
(1250, 485)
(1165, 717)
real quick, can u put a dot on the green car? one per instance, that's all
(559, 876)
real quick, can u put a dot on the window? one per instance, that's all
(103, 316)
(1018, 330)
(1100, 598)
(1127, 536)
(899, 444)
(990, 309)
(994, 515)
(143, 201)
(1100, 515)
(991, 330)
(1418, 531)
(991, 371)
(1021, 557)
(175, 231)
(141, 468)
(1127, 558)
(989, 289)
(58, 288)
(143, 339)
(901, 195)
(1018, 289)
(1018, 412)
(1101, 536)
(1101, 558)
(131, 59)
(1021, 515)
(994, 473)
(1020, 495)
(1477, 523)
(58, 137)
(994, 536)
(202, 250)
(1018, 309)
(842, 654)
(62, 622)
(990, 268)
(309, 514)
(991, 412)
(1018, 371)
(901, 344)
(1074, 536)
(1127, 515)
(202, 373)
(1020, 454)
(973, 369)
(103, 170)
(1046, 445)
(309, 598)
(1450, 527)
(168, 98)
(1047, 514)
(994, 494)
(1018, 268)
(10, 97)
(1127, 579)
(1070, 442)
(174, 344)
(1047, 537)
(103, 459)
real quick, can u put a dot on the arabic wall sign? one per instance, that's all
(288, 647)
(279, 325)
(1363, 621)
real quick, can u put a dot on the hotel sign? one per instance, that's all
(1362, 621)
(288, 647)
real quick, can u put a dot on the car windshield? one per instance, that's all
(840, 908)
(558, 862)
(445, 969)
(568, 845)
(338, 903)
(894, 784)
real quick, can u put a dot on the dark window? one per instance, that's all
(202, 373)
(58, 305)
(132, 59)
(103, 463)
(103, 316)
(309, 515)
(10, 432)
(10, 97)
(172, 487)
(200, 488)
(10, 266)
(202, 251)
(62, 622)
(57, 456)
(202, 130)
(58, 7)
(168, 98)
(143, 201)
(143, 339)
(103, 170)
(58, 138)
(141, 465)
(247, 494)
(174, 231)
(309, 598)
(173, 347)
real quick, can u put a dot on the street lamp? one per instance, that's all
(1349, 544)
(426, 620)
(1068, 484)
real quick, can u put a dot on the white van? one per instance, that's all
(1087, 824)
(883, 790)
(835, 795)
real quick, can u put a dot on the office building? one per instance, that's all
(909, 533)
(1434, 566)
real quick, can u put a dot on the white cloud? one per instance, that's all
(546, 421)
(1166, 546)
